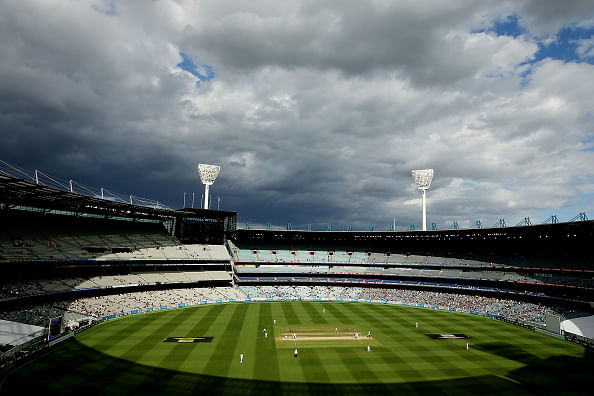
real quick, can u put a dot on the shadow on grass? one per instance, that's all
(76, 369)
(558, 374)
(508, 351)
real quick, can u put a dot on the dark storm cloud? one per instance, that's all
(356, 38)
(317, 112)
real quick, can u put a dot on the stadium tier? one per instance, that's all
(491, 261)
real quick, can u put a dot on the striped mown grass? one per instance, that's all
(129, 355)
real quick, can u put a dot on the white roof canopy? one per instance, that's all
(13, 333)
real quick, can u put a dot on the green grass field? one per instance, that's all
(129, 355)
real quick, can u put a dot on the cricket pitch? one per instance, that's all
(338, 334)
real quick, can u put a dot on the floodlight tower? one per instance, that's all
(208, 174)
(423, 178)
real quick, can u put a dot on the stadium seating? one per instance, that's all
(108, 241)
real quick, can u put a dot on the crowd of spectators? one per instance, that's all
(37, 315)
(511, 309)
(121, 304)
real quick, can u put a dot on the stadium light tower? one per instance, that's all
(423, 178)
(208, 174)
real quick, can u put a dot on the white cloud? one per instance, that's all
(585, 48)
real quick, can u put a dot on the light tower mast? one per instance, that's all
(423, 178)
(208, 174)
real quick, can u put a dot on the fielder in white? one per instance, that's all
(241, 358)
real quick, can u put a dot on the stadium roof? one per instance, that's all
(13, 333)
(17, 193)
(568, 239)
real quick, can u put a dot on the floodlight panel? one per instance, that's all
(423, 178)
(208, 173)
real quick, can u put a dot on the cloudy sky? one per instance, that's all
(316, 110)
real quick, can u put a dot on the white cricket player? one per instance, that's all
(296, 352)
(241, 357)
(369, 334)
(356, 335)
(265, 335)
(336, 330)
(264, 329)
(274, 321)
(368, 348)
(323, 311)
(466, 346)
(417, 325)
(294, 336)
